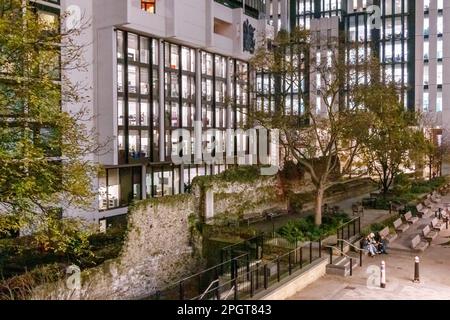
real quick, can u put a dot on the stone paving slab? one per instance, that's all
(364, 285)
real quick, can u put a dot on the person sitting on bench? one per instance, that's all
(381, 243)
(369, 245)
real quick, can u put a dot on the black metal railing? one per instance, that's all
(241, 278)
(342, 254)
(262, 275)
(348, 230)
(253, 246)
(193, 286)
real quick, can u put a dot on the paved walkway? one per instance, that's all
(370, 215)
(364, 285)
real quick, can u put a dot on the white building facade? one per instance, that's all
(156, 66)
(160, 65)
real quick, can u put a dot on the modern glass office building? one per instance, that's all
(162, 65)
(159, 66)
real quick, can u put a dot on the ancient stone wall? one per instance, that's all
(161, 247)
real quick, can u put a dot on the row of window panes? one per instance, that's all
(439, 51)
(138, 49)
(172, 57)
(137, 109)
(395, 54)
(399, 74)
(386, 7)
(426, 4)
(173, 115)
(398, 31)
(119, 187)
(426, 101)
(439, 74)
(440, 25)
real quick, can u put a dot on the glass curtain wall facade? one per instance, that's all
(223, 81)
(393, 43)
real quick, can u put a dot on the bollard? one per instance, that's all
(383, 275)
(416, 270)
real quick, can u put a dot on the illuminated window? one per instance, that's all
(439, 102)
(148, 5)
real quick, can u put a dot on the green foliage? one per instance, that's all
(402, 184)
(42, 147)
(20, 287)
(64, 237)
(408, 191)
(240, 174)
(106, 246)
(20, 255)
(378, 226)
(391, 141)
(427, 186)
(306, 229)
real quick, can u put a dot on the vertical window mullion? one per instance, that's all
(126, 97)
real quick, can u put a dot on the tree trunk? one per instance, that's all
(319, 202)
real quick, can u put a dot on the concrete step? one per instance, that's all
(341, 266)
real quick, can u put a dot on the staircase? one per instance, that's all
(343, 266)
(344, 263)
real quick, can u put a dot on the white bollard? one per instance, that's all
(383, 275)
(416, 270)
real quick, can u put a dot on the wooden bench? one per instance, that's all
(389, 237)
(357, 209)
(423, 212)
(409, 218)
(254, 219)
(400, 226)
(436, 195)
(429, 234)
(435, 199)
(274, 213)
(437, 225)
(418, 244)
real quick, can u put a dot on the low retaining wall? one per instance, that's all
(296, 282)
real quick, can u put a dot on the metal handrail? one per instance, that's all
(340, 251)
(241, 242)
(348, 222)
(350, 244)
(348, 257)
(206, 291)
(210, 269)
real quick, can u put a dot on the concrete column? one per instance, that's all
(144, 180)
(275, 5)
(229, 97)
(182, 179)
(162, 115)
(267, 11)
(284, 14)
(198, 109)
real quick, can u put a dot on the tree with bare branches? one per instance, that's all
(321, 134)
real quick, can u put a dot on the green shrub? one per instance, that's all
(305, 228)
(402, 184)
